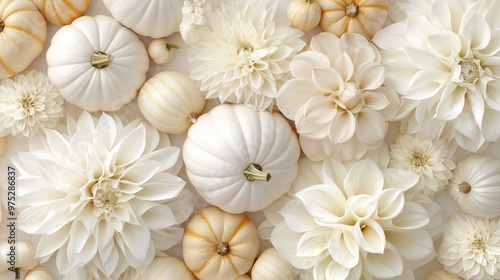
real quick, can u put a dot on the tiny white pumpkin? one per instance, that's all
(219, 245)
(161, 51)
(304, 14)
(96, 63)
(171, 101)
(151, 18)
(38, 273)
(23, 32)
(239, 159)
(24, 255)
(475, 185)
(271, 265)
(62, 12)
(166, 268)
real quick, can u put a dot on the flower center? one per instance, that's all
(245, 49)
(106, 196)
(350, 97)
(469, 71)
(28, 104)
(352, 10)
(478, 244)
(418, 158)
(464, 187)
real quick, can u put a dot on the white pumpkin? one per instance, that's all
(96, 63)
(62, 12)
(151, 18)
(23, 32)
(219, 245)
(38, 273)
(161, 51)
(475, 185)
(24, 255)
(171, 101)
(304, 14)
(271, 265)
(239, 159)
(166, 268)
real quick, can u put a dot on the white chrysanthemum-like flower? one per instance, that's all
(471, 247)
(243, 54)
(430, 159)
(353, 223)
(445, 57)
(193, 16)
(102, 196)
(337, 98)
(28, 104)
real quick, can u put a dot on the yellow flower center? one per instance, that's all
(478, 244)
(106, 196)
(418, 158)
(28, 104)
(469, 71)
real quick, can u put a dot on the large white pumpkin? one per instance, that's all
(152, 18)
(239, 159)
(96, 63)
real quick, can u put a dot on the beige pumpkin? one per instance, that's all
(38, 273)
(161, 51)
(170, 101)
(219, 245)
(23, 32)
(166, 268)
(365, 17)
(304, 14)
(243, 277)
(271, 265)
(62, 12)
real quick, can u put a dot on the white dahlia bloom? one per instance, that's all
(337, 98)
(353, 223)
(28, 104)
(101, 196)
(430, 159)
(445, 57)
(243, 54)
(471, 247)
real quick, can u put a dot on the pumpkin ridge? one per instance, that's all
(169, 87)
(235, 268)
(380, 7)
(204, 218)
(198, 270)
(369, 34)
(347, 24)
(193, 234)
(9, 70)
(341, 4)
(23, 30)
(242, 223)
(70, 6)
(55, 11)
(336, 21)
(16, 12)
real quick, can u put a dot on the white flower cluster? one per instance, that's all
(193, 16)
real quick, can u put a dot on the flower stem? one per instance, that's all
(173, 46)
(101, 60)
(2, 25)
(254, 172)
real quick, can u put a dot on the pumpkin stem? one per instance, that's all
(101, 60)
(192, 118)
(173, 46)
(2, 25)
(464, 187)
(352, 10)
(254, 172)
(18, 273)
(222, 248)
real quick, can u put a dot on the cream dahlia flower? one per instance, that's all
(471, 247)
(337, 98)
(243, 54)
(101, 196)
(445, 56)
(431, 160)
(354, 223)
(28, 104)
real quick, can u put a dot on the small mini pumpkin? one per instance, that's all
(271, 265)
(23, 32)
(239, 159)
(475, 185)
(62, 12)
(24, 255)
(365, 17)
(96, 63)
(166, 268)
(38, 273)
(304, 14)
(170, 101)
(219, 245)
(161, 51)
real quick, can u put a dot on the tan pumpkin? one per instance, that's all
(271, 265)
(166, 268)
(304, 14)
(23, 32)
(365, 17)
(219, 245)
(62, 12)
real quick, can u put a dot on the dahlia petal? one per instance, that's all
(491, 126)
(327, 269)
(105, 131)
(296, 216)
(159, 217)
(103, 234)
(445, 43)
(343, 248)
(139, 173)
(413, 245)
(162, 186)
(364, 177)
(441, 15)
(418, 28)
(136, 238)
(303, 64)
(294, 94)
(362, 206)
(390, 203)
(342, 127)
(491, 15)
(424, 85)
(124, 154)
(477, 30)
(323, 202)
(387, 265)
(48, 244)
(492, 97)
(477, 107)
(344, 66)
(426, 60)
(333, 172)
(370, 76)
(451, 103)
(327, 79)
(320, 109)
(413, 216)
(371, 237)
(285, 241)
(371, 127)
(391, 37)
(313, 242)
(376, 100)
(310, 129)
(326, 43)
(57, 144)
(494, 46)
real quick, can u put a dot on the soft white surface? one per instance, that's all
(179, 63)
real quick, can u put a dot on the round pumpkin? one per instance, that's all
(166, 268)
(23, 32)
(239, 159)
(219, 245)
(304, 14)
(151, 18)
(96, 63)
(364, 17)
(271, 265)
(62, 12)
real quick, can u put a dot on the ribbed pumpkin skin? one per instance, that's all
(370, 19)
(304, 14)
(62, 12)
(225, 141)
(211, 226)
(271, 265)
(170, 101)
(152, 18)
(167, 268)
(70, 69)
(23, 36)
